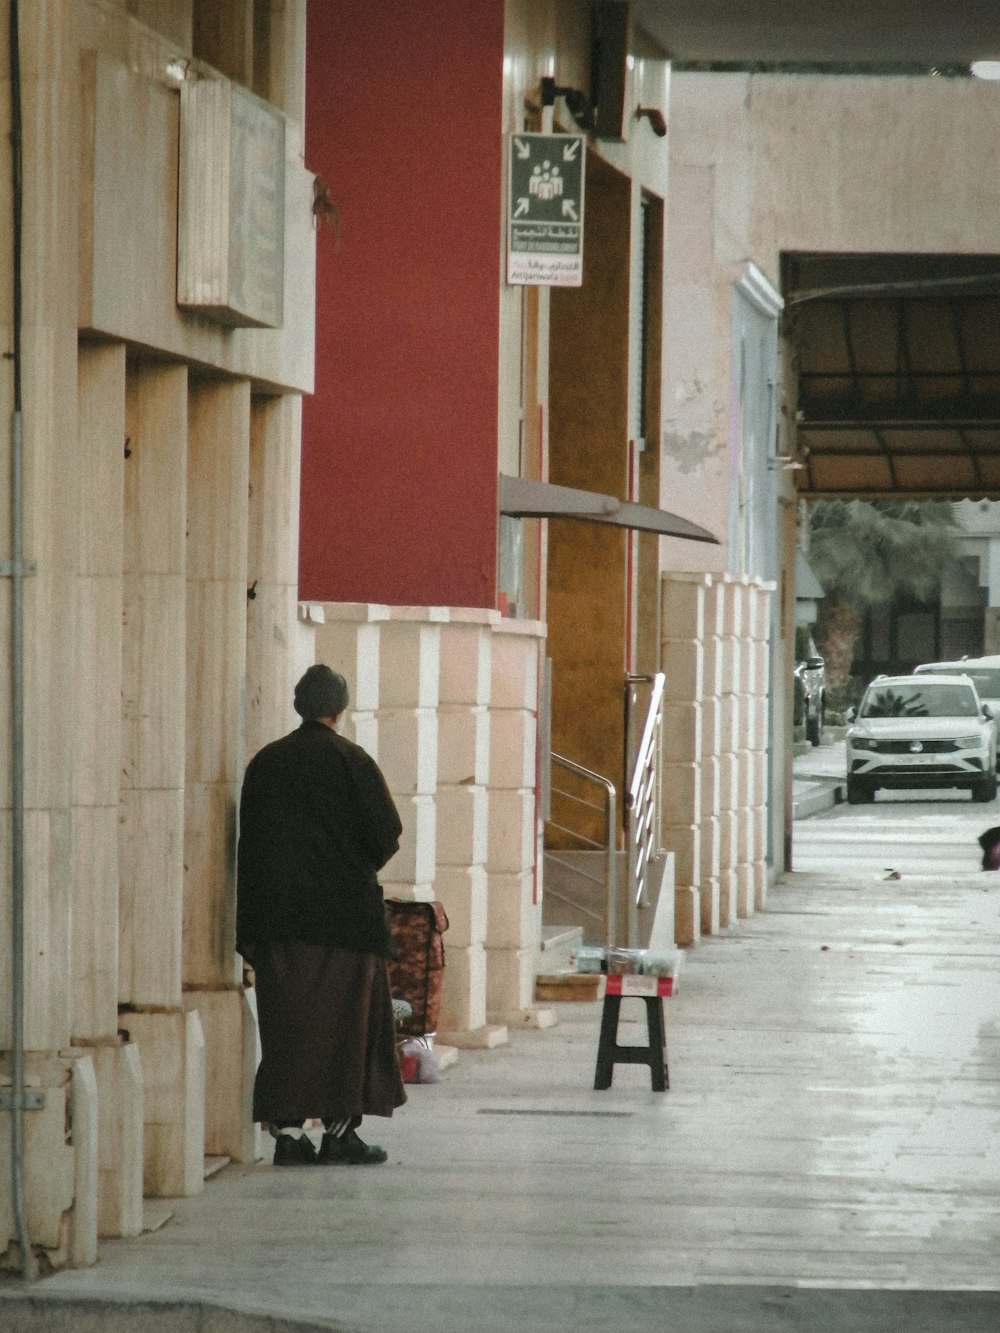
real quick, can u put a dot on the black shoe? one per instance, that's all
(291, 1151)
(349, 1150)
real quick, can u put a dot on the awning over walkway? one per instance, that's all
(898, 373)
(521, 497)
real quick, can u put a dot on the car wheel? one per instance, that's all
(859, 793)
(986, 789)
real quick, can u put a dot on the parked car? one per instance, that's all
(921, 731)
(984, 672)
(810, 672)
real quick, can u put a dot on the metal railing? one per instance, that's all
(589, 807)
(641, 816)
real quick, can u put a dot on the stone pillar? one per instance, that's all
(97, 715)
(84, 1120)
(173, 1055)
(151, 828)
(57, 1216)
(403, 738)
(682, 655)
(742, 736)
(275, 639)
(272, 665)
(513, 859)
(216, 601)
(729, 776)
(462, 801)
(760, 622)
(227, 1023)
(50, 103)
(96, 788)
(49, 1160)
(714, 912)
(151, 846)
(118, 1071)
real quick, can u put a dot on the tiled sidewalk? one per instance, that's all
(832, 1125)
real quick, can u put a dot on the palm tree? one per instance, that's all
(866, 555)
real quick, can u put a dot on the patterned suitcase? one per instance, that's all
(417, 974)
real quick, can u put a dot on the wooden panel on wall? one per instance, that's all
(588, 447)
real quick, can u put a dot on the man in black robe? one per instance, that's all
(316, 825)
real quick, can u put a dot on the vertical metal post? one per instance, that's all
(611, 870)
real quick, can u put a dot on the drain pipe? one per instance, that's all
(17, 572)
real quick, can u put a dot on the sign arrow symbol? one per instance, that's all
(522, 207)
(570, 150)
(523, 149)
(569, 209)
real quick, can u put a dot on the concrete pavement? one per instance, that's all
(826, 1159)
(819, 778)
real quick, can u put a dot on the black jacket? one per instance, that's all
(316, 824)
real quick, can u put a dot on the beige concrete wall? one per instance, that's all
(128, 129)
(764, 163)
(761, 164)
(715, 742)
(138, 521)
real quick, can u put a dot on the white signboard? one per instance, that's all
(545, 210)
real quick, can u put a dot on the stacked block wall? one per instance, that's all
(715, 659)
(445, 700)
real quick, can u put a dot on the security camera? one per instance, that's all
(655, 118)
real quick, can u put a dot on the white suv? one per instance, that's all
(984, 672)
(921, 731)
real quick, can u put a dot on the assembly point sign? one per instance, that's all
(545, 210)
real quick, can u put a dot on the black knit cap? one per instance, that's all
(321, 693)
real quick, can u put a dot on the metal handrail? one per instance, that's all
(642, 804)
(609, 845)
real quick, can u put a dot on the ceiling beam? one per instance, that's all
(930, 414)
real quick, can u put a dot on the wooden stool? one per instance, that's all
(651, 991)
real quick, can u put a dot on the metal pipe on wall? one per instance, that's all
(17, 571)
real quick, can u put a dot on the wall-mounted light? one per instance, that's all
(177, 70)
(655, 117)
(985, 69)
(784, 463)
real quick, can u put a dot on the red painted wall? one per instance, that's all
(399, 459)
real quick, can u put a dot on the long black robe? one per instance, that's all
(316, 824)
